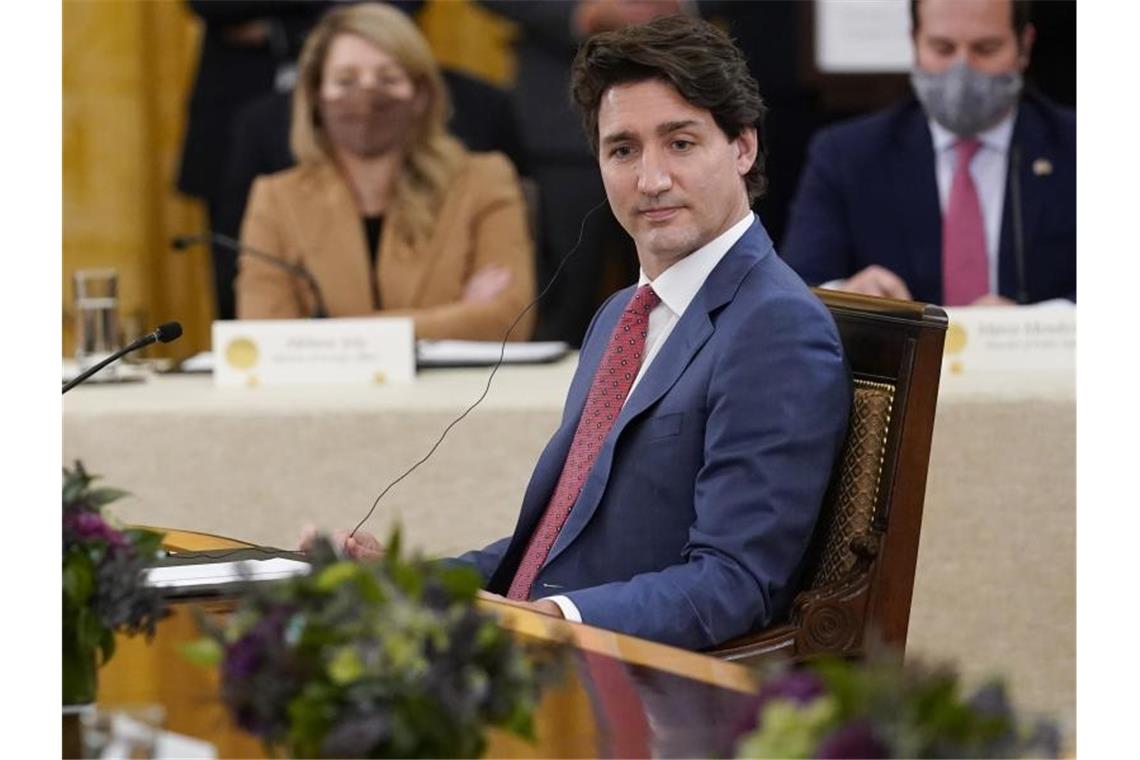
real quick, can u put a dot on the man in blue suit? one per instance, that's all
(677, 498)
(966, 195)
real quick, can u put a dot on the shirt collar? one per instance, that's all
(677, 286)
(996, 137)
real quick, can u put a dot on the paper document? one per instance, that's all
(447, 353)
(199, 362)
(444, 353)
(215, 573)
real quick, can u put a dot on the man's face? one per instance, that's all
(673, 179)
(979, 32)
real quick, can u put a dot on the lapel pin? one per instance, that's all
(1042, 167)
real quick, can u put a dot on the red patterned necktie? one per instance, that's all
(612, 381)
(965, 267)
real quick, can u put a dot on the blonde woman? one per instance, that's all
(390, 214)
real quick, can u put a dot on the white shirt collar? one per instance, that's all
(996, 137)
(677, 286)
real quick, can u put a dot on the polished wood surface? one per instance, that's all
(623, 696)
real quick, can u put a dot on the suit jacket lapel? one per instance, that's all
(1030, 144)
(692, 331)
(917, 209)
(549, 466)
(333, 243)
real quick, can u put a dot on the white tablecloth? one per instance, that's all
(995, 586)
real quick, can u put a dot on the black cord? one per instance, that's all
(1018, 225)
(490, 377)
(274, 551)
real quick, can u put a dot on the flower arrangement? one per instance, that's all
(382, 659)
(103, 588)
(840, 709)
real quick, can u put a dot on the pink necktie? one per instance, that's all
(612, 381)
(965, 268)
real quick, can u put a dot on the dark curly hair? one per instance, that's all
(698, 59)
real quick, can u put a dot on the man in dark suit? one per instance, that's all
(966, 195)
(677, 498)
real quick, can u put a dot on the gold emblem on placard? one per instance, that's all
(379, 378)
(955, 338)
(241, 353)
(1042, 167)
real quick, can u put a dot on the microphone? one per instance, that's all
(164, 333)
(1018, 224)
(182, 242)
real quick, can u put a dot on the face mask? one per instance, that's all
(965, 100)
(367, 123)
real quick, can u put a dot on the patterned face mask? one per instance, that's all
(964, 100)
(367, 123)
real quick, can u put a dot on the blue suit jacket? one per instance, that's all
(693, 522)
(869, 196)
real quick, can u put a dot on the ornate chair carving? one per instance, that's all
(859, 571)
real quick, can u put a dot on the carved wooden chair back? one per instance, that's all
(858, 575)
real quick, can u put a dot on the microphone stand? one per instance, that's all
(320, 310)
(154, 337)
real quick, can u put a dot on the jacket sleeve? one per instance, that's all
(499, 236)
(777, 412)
(817, 243)
(264, 291)
(485, 560)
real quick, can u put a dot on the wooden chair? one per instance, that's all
(859, 571)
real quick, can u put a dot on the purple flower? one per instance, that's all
(798, 686)
(90, 526)
(244, 656)
(855, 740)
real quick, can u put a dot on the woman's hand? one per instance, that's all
(486, 284)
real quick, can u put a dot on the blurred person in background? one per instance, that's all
(483, 118)
(248, 49)
(562, 165)
(965, 194)
(388, 211)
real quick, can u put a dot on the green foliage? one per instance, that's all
(879, 708)
(383, 659)
(103, 589)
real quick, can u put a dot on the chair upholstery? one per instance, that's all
(858, 574)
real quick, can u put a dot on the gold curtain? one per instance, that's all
(127, 70)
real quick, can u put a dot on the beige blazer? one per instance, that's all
(307, 215)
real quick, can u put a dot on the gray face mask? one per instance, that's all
(965, 100)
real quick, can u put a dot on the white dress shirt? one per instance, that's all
(988, 169)
(677, 286)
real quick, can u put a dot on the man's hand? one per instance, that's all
(363, 546)
(542, 606)
(993, 299)
(877, 281)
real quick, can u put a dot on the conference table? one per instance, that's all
(995, 583)
(619, 696)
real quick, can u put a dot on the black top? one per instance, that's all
(373, 226)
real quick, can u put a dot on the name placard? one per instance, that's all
(313, 351)
(1010, 339)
